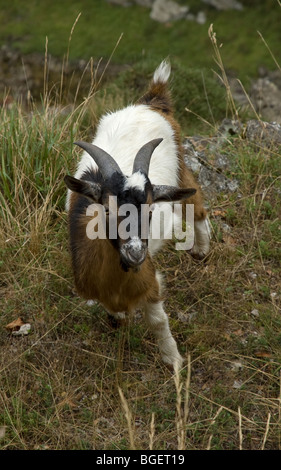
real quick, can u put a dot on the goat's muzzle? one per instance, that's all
(133, 252)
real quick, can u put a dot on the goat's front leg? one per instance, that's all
(157, 321)
(202, 234)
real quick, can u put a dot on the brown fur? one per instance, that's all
(158, 98)
(98, 273)
(96, 263)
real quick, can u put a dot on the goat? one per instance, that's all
(136, 156)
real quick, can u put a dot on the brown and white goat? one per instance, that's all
(136, 157)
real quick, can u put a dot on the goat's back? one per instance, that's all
(124, 132)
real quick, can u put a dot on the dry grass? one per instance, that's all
(75, 382)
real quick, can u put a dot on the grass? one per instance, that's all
(26, 26)
(77, 383)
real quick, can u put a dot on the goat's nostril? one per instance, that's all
(134, 255)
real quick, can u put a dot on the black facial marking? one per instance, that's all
(113, 186)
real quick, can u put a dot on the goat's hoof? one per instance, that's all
(117, 320)
(173, 364)
(198, 255)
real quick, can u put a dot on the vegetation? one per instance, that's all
(75, 382)
(26, 26)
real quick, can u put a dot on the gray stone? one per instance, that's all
(201, 17)
(225, 4)
(229, 127)
(264, 133)
(221, 162)
(264, 95)
(266, 98)
(210, 176)
(122, 3)
(191, 17)
(202, 155)
(164, 11)
(144, 3)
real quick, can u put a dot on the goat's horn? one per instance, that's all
(107, 165)
(142, 158)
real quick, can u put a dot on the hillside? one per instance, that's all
(75, 382)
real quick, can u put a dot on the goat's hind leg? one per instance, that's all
(157, 321)
(202, 232)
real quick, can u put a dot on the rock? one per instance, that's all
(229, 127)
(237, 384)
(255, 313)
(221, 162)
(264, 133)
(253, 275)
(144, 3)
(265, 95)
(191, 17)
(201, 17)
(164, 11)
(225, 227)
(224, 4)
(202, 155)
(211, 175)
(237, 366)
(237, 92)
(128, 3)
(210, 178)
(122, 3)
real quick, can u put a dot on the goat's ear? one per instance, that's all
(170, 193)
(86, 188)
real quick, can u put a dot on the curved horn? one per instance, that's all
(142, 158)
(106, 163)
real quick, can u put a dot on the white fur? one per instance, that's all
(123, 133)
(136, 243)
(202, 237)
(163, 218)
(162, 73)
(119, 315)
(136, 180)
(157, 320)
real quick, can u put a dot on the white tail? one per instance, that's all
(162, 73)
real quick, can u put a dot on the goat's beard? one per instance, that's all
(127, 266)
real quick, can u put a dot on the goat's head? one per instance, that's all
(135, 190)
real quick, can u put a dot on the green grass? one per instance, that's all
(199, 99)
(59, 385)
(26, 26)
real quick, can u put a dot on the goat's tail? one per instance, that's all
(158, 94)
